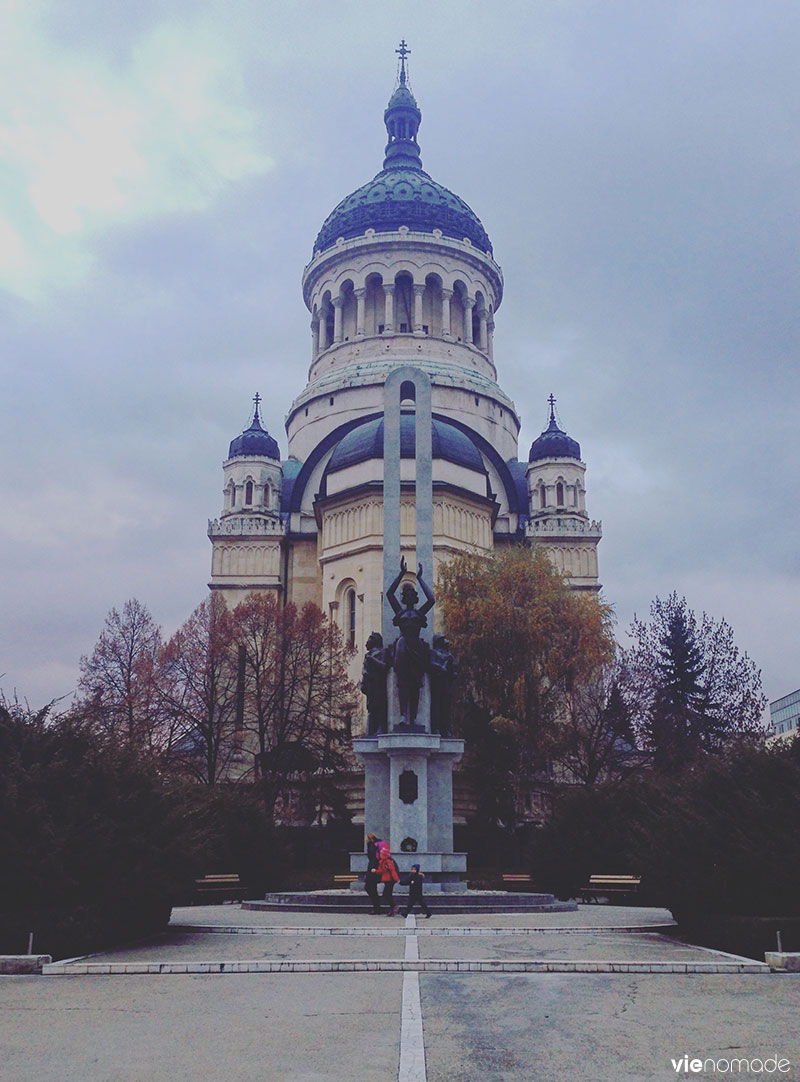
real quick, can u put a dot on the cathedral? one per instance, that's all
(402, 273)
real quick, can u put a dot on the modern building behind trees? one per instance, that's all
(784, 716)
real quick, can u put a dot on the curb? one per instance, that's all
(58, 969)
(12, 964)
(426, 930)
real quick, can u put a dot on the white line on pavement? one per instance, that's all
(412, 1044)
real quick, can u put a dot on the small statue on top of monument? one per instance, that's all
(373, 684)
(411, 653)
(443, 670)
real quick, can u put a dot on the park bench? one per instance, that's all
(225, 887)
(610, 885)
(516, 880)
(345, 878)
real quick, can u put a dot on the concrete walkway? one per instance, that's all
(602, 995)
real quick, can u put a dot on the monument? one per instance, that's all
(408, 754)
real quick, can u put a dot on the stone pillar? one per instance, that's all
(469, 304)
(490, 339)
(337, 303)
(315, 336)
(421, 383)
(323, 330)
(361, 308)
(482, 342)
(388, 324)
(409, 769)
(419, 292)
(446, 295)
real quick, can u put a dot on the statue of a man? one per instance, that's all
(373, 684)
(443, 669)
(411, 653)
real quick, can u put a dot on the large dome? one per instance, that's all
(402, 193)
(366, 442)
(403, 196)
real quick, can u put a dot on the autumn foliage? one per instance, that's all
(525, 642)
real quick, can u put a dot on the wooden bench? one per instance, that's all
(516, 880)
(222, 888)
(345, 878)
(608, 885)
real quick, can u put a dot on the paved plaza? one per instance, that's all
(603, 994)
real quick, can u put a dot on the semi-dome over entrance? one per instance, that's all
(366, 442)
(402, 194)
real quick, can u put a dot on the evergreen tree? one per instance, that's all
(696, 691)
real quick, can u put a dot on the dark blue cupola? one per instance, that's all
(255, 440)
(553, 442)
(402, 194)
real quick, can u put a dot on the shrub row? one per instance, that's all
(720, 838)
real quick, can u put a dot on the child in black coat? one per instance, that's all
(415, 891)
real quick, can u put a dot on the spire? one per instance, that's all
(554, 442)
(255, 440)
(402, 119)
(403, 52)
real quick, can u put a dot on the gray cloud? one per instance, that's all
(635, 166)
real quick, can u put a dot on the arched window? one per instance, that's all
(232, 497)
(559, 494)
(350, 616)
(248, 492)
(542, 496)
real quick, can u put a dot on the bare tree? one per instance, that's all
(200, 692)
(596, 742)
(297, 699)
(119, 682)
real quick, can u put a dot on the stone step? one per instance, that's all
(468, 902)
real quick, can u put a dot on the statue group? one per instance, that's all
(410, 657)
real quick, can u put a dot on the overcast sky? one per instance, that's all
(167, 165)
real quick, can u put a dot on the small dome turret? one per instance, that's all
(553, 442)
(255, 440)
(402, 119)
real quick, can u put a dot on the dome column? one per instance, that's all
(316, 323)
(446, 295)
(322, 331)
(361, 310)
(337, 303)
(482, 339)
(490, 339)
(469, 304)
(419, 291)
(388, 292)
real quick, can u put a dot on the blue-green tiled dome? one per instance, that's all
(366, 442)
(402, 193)
(398, 197)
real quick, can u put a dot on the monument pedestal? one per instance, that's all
(409, 803)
